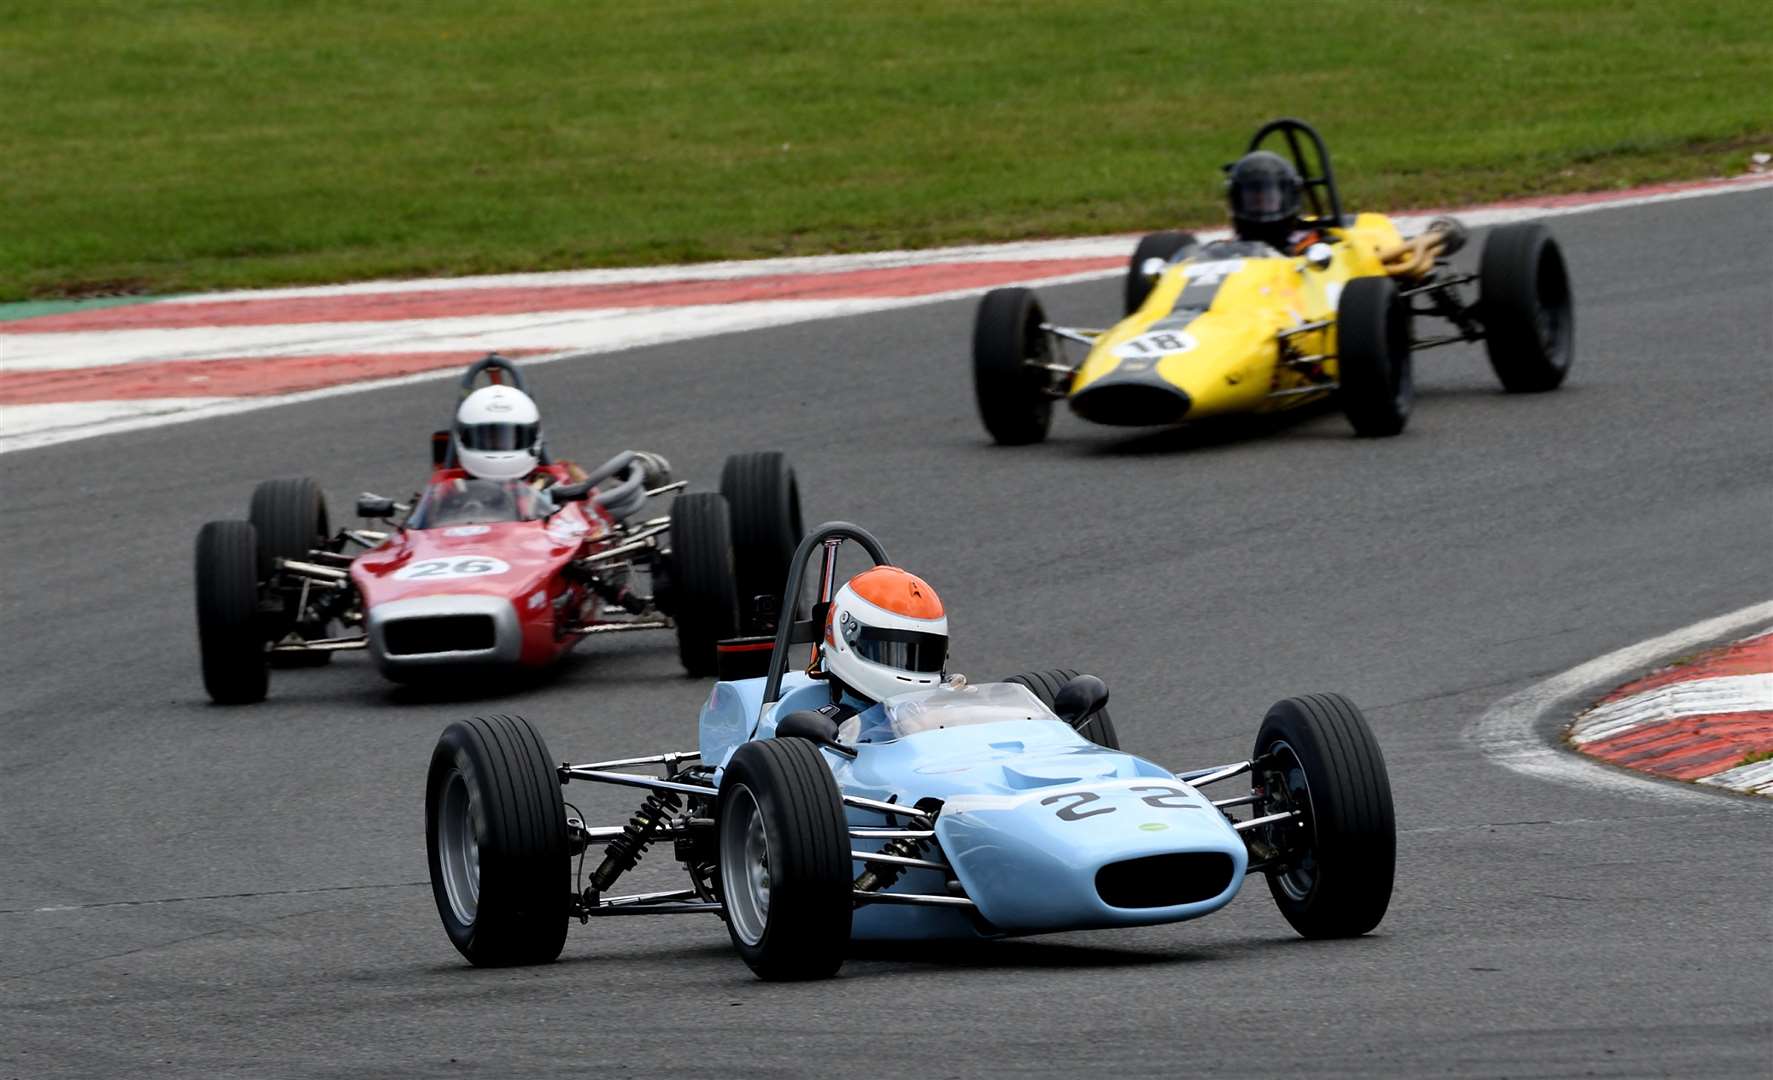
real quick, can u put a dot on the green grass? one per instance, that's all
(158, 145)
(1754, 757)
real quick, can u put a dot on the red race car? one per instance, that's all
(507, 557)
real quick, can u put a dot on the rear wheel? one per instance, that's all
(1096, 727)
(704, 596)
(763, 501)
(1012, 395)
(1529, 321)
(784, 860)
(1373, 357)
(496, 839)
(1317, 756)
(291, 520)
(230, 638)
(1157, 245)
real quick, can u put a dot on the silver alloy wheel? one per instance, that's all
(745, 866)
(458, 850)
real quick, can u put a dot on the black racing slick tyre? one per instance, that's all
(230, 639)
(1096, 727)
(290, 517)
(496, 838)
(1013, 395)
(1316, 755)
(1157, 245)
(1524, 297)
(1373, 357)
(763, 501)
(784, 860)
(704, 593)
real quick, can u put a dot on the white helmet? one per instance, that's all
(498, 433)
(886, 634)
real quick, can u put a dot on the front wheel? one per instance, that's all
(704, 593)
(1373, 357)
(290, 518)
(763, 501)
(784, 859)
(1524, 294)
(495, 832)
(1332, 872)
(230, 637)
(1008, 345)
(1096, 727)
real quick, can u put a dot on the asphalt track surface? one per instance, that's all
(190, 890)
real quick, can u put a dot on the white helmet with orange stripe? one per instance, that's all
(886, 634)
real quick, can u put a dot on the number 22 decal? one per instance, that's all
(458, 566)
(1164, 798)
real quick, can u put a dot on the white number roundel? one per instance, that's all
(455, 566)
(1155, 344)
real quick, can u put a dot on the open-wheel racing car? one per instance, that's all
(966, 810)
(1324, 304)
(503, 572)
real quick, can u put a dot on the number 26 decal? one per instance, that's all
(1162, 797)
(458, 566)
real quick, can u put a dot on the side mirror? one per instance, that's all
(374, 506)
(1318, 255)
(439, 448)
(813, 726)
(1079, 698)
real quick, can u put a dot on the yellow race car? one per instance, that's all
(1301, 303)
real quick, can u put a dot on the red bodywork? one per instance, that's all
(518, 562)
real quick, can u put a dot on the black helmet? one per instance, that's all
(1264, 190)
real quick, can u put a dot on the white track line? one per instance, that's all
(1513, 732)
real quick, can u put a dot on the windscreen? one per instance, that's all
(472, 501)
(949, 707)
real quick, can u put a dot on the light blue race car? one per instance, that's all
(971, 810)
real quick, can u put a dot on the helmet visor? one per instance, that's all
(906, 650)
(497, 437)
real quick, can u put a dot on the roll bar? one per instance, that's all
(1320, 183)
(501, 368)
(824, 541)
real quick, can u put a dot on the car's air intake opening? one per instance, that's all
(1185, 877)
(1132, 404)
(439, 633)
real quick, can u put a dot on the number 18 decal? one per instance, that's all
(1155, 344)
(455, 566)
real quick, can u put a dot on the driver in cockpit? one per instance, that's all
(1266, 193)
(886, 634)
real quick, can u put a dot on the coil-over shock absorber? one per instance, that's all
(880, 876)
(625, 850)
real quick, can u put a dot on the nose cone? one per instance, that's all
(1142, 402)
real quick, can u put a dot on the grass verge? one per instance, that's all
(165, 145)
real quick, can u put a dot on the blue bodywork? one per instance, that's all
(1031, 814)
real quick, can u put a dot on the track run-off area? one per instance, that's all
(192, 890)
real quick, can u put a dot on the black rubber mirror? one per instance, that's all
(1080, 697)
(375, 506)
(439, 447)
(813, 726)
